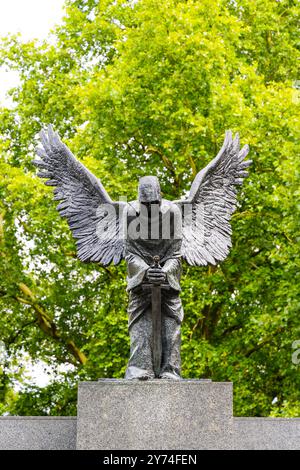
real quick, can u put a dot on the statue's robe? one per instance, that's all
(139, 254)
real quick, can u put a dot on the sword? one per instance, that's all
(156, 319)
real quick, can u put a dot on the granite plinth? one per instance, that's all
(267, 433)
(154, 414)
(37, 433)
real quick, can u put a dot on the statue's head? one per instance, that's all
(149, 190)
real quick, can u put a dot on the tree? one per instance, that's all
(149, 87)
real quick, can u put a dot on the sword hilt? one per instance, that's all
(156, 260)
(148, 287)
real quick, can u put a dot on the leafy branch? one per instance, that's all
(46, 323)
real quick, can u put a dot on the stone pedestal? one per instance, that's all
(37, 432)
(154, 415)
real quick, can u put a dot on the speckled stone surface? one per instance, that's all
(37, 433)
(155, 414)
(191, 419)
(267, 433)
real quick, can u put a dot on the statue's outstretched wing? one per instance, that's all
(206, 230)
(92, 216)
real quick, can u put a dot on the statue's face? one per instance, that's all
(149, 191)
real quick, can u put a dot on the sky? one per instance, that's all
(33, 19)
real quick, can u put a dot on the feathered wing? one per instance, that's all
(206, 230)
(92, 216)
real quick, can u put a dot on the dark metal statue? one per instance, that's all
(152, 234)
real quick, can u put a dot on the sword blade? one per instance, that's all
(156, 329)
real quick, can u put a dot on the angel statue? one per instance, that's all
(152, 234)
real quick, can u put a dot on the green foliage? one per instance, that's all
(149, 87)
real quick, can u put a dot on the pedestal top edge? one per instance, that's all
(152, 382)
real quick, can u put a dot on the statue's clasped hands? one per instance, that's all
(156, 275)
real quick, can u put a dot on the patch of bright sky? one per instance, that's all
(36, 372)
(33, 19)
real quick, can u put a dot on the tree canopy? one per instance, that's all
(149, 87)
